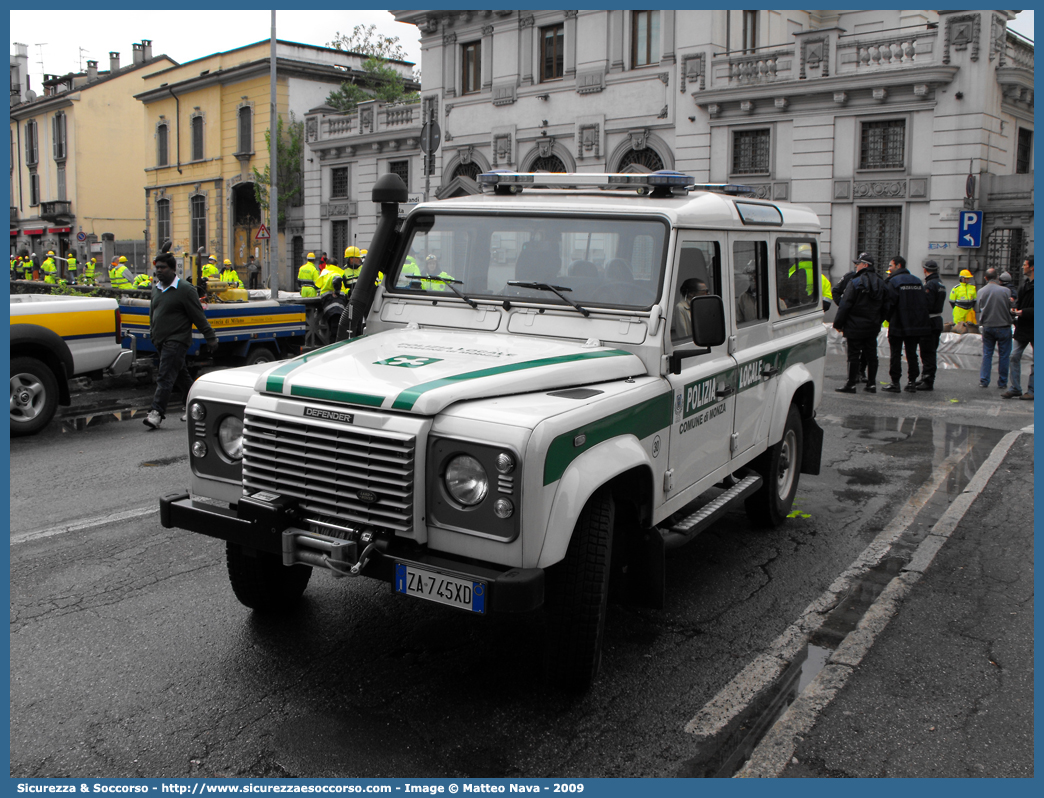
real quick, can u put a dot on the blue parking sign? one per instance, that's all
(969, 233)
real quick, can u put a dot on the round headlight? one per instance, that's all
(466, 480)
(199, 449)
(197, 412)
(230, 437)
(505, 463)
(503, 508)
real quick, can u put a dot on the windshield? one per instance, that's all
(614, 262)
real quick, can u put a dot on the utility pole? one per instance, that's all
(39, 59)
(82, 51)
(273, 171)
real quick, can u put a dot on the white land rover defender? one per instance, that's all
(534, 392)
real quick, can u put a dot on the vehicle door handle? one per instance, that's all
(769, 371)
(721, 393)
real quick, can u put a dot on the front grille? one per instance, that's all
(325, 468)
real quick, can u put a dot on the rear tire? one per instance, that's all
(34, 396)
(780, 468)
(261, 581)
(577, 598)
(259, 354)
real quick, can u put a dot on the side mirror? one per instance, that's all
(708, 320)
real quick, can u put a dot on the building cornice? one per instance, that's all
(769, 91)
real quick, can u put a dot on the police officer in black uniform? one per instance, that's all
(929, 346)
(859, 316)
(907, 323)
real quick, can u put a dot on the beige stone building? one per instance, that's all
(77, 154)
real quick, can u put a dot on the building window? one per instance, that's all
(199, 222)
(552, 52)
(645, 38)
(62, 194)
(339, 182)
(297, 250)
(882, 145)
(340, 237)
(32, 154)
(161, 145)
(644, 160)
(880, 233)
(472, 170)
(58, 131)
(750, 31)
(547, 163)
(197, 138)
(162, 222)
(750, 151)
(34, 188)
(471, 76)
(1005, 252)
(402, 169)
(246, 129)
(1025, 152)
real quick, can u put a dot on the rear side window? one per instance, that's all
(750, 281)
(797, 275)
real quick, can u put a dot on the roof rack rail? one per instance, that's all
(662, 183)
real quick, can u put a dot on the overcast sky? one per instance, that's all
(187, 35)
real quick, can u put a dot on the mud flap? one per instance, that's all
(811, 446)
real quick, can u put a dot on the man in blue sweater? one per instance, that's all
(174, 310)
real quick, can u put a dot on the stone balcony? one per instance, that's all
(56, 210)
(375, 126)
(824, 65)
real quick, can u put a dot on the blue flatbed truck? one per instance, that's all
(254, 331)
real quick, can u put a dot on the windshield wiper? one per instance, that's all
(554, 289)
(448, 282)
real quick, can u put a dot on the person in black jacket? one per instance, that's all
(907, 323)
(1023, 335)
(859, 316)
(935, 292)
(838, 292)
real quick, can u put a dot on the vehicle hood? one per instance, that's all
(421, 372)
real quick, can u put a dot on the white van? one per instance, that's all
(554, 381)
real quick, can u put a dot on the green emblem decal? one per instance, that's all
(407, 361)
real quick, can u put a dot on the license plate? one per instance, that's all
(441, 588)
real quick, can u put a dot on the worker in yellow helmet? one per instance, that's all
(307, 275)
(210, 270)
(49, 269)
(353, 260)
(119, 274)
(325, 283)
(88, 271)
(230, 276)
(962, 299)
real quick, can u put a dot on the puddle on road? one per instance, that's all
(934, 441)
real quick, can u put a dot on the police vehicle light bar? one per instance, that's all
(663, 181)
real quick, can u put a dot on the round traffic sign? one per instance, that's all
(431, 136)
(81, 236)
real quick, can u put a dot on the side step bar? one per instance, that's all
(688, 528)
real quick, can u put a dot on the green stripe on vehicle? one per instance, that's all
(641, 420)
(337, 396)
(276, 381)
(408, 398)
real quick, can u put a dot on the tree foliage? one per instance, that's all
(290, 173)
(379, 80)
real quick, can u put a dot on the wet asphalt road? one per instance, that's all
(131, 657)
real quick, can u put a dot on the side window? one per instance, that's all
(699, 272)
(797, 275)
(750, 277)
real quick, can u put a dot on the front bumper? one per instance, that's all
(271, 529)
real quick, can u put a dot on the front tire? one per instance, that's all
(780, 468)
(261, 581)
(259, 354)
(577, 598)
(34, 396)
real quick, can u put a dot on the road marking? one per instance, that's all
(763, 671)
(112, 518)
(772, 755)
